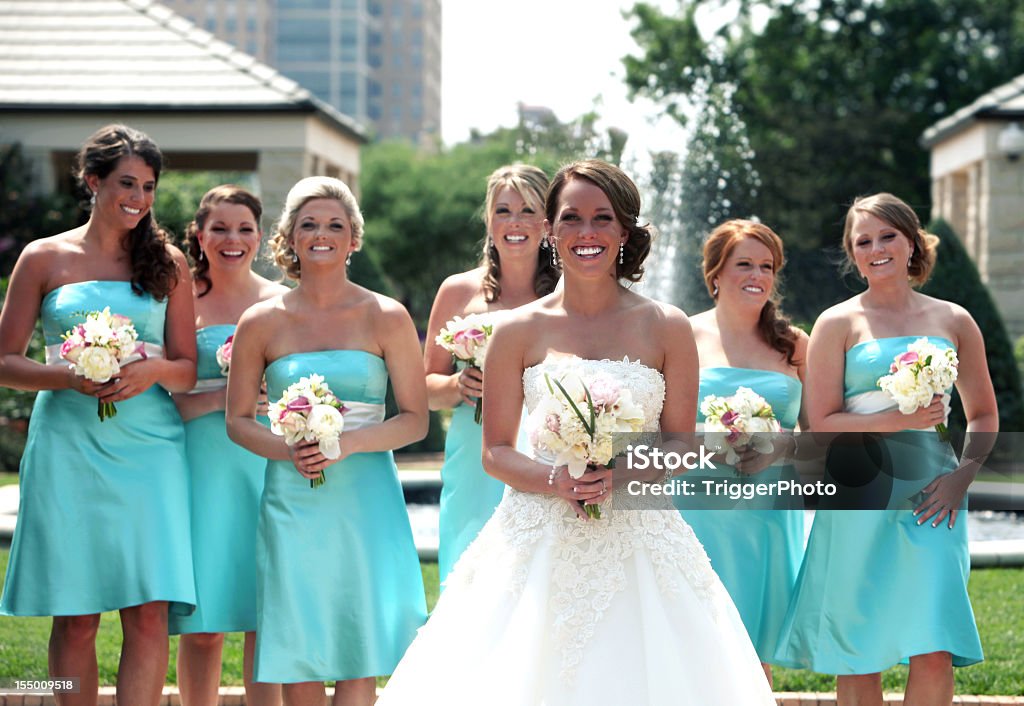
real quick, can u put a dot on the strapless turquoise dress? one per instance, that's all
(103, 522)
(754, 549)
(468, 493)
(876, 588)
(340, 593)
(226, 484)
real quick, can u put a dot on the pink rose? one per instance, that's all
(905, 359)
(729, 418)
(70, 351)
(299, 404)
(465, 342)
(118, 320)
(552, 423)
(604, 392)
(226, 348)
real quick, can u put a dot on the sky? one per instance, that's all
(561, 54)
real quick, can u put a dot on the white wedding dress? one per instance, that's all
(544, 608)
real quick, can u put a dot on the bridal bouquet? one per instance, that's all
(97, 347)
(224, 355)
(575, 423)
(466, 338)
(741, 420)
(309, 411)
(917, 375)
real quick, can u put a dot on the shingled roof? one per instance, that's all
(1006, 102)
(137, 55)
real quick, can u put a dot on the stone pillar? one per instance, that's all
(1005, 227)
(277, 171)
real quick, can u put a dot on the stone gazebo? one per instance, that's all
(68, 67)
(977, 172)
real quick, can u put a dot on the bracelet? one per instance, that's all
(552, 474)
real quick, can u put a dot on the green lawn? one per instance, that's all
(23, 642)
(996, 594)
(8, 477)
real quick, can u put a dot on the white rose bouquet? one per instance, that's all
(224, 355)
(917, 375)
(467, 338)
(97, 347)
(576, 422)
(739, 421)
(309, 411)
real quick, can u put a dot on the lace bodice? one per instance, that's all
(646, 384)
(589, 559)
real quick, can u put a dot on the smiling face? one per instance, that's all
(322, 234)
(586, 231)
(230, 237)
(515, 225)
(880, 251)
(125, 195)
(747, 278)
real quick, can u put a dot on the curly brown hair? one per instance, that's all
(153, 268)
(897, 213)
(625, 201)
(774, 326)
(530, 183)
(226, 193)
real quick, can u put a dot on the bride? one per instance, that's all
(548, 606)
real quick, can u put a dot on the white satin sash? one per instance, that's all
(362, 414)
(875, 401)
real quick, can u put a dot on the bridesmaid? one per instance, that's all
(340, 594)
(515, 269)
(100, 525)
(880, 587)
(746, 341)
(226, 480)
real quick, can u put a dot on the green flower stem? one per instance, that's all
(943, 432)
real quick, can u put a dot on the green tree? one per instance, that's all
(27, 215)
(834, 94)
(956, 279)
(423, 210)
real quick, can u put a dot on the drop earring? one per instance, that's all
(92, 198)
(202, 255)
(622, 253)
(554, 256)
(714, 291)
(348, 260)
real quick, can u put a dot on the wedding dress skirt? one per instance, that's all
(545, 608)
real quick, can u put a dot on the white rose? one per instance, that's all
(97, 364)
(325, 423)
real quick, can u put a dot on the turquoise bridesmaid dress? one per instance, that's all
(226, 484)
(756, 550)
(875, 587)
(468, 493)
(104, 517)
(340, 593)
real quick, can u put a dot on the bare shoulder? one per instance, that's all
(265, 314)
(704, 322)
(388, 312)
(458, 290)
(663, 317)
(269, 288)
(836, 319)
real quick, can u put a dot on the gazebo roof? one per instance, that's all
(135, 55)
(1005, 102)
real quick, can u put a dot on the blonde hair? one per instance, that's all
(530, 183)
(304, 191)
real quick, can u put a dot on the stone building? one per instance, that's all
(977, 173)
